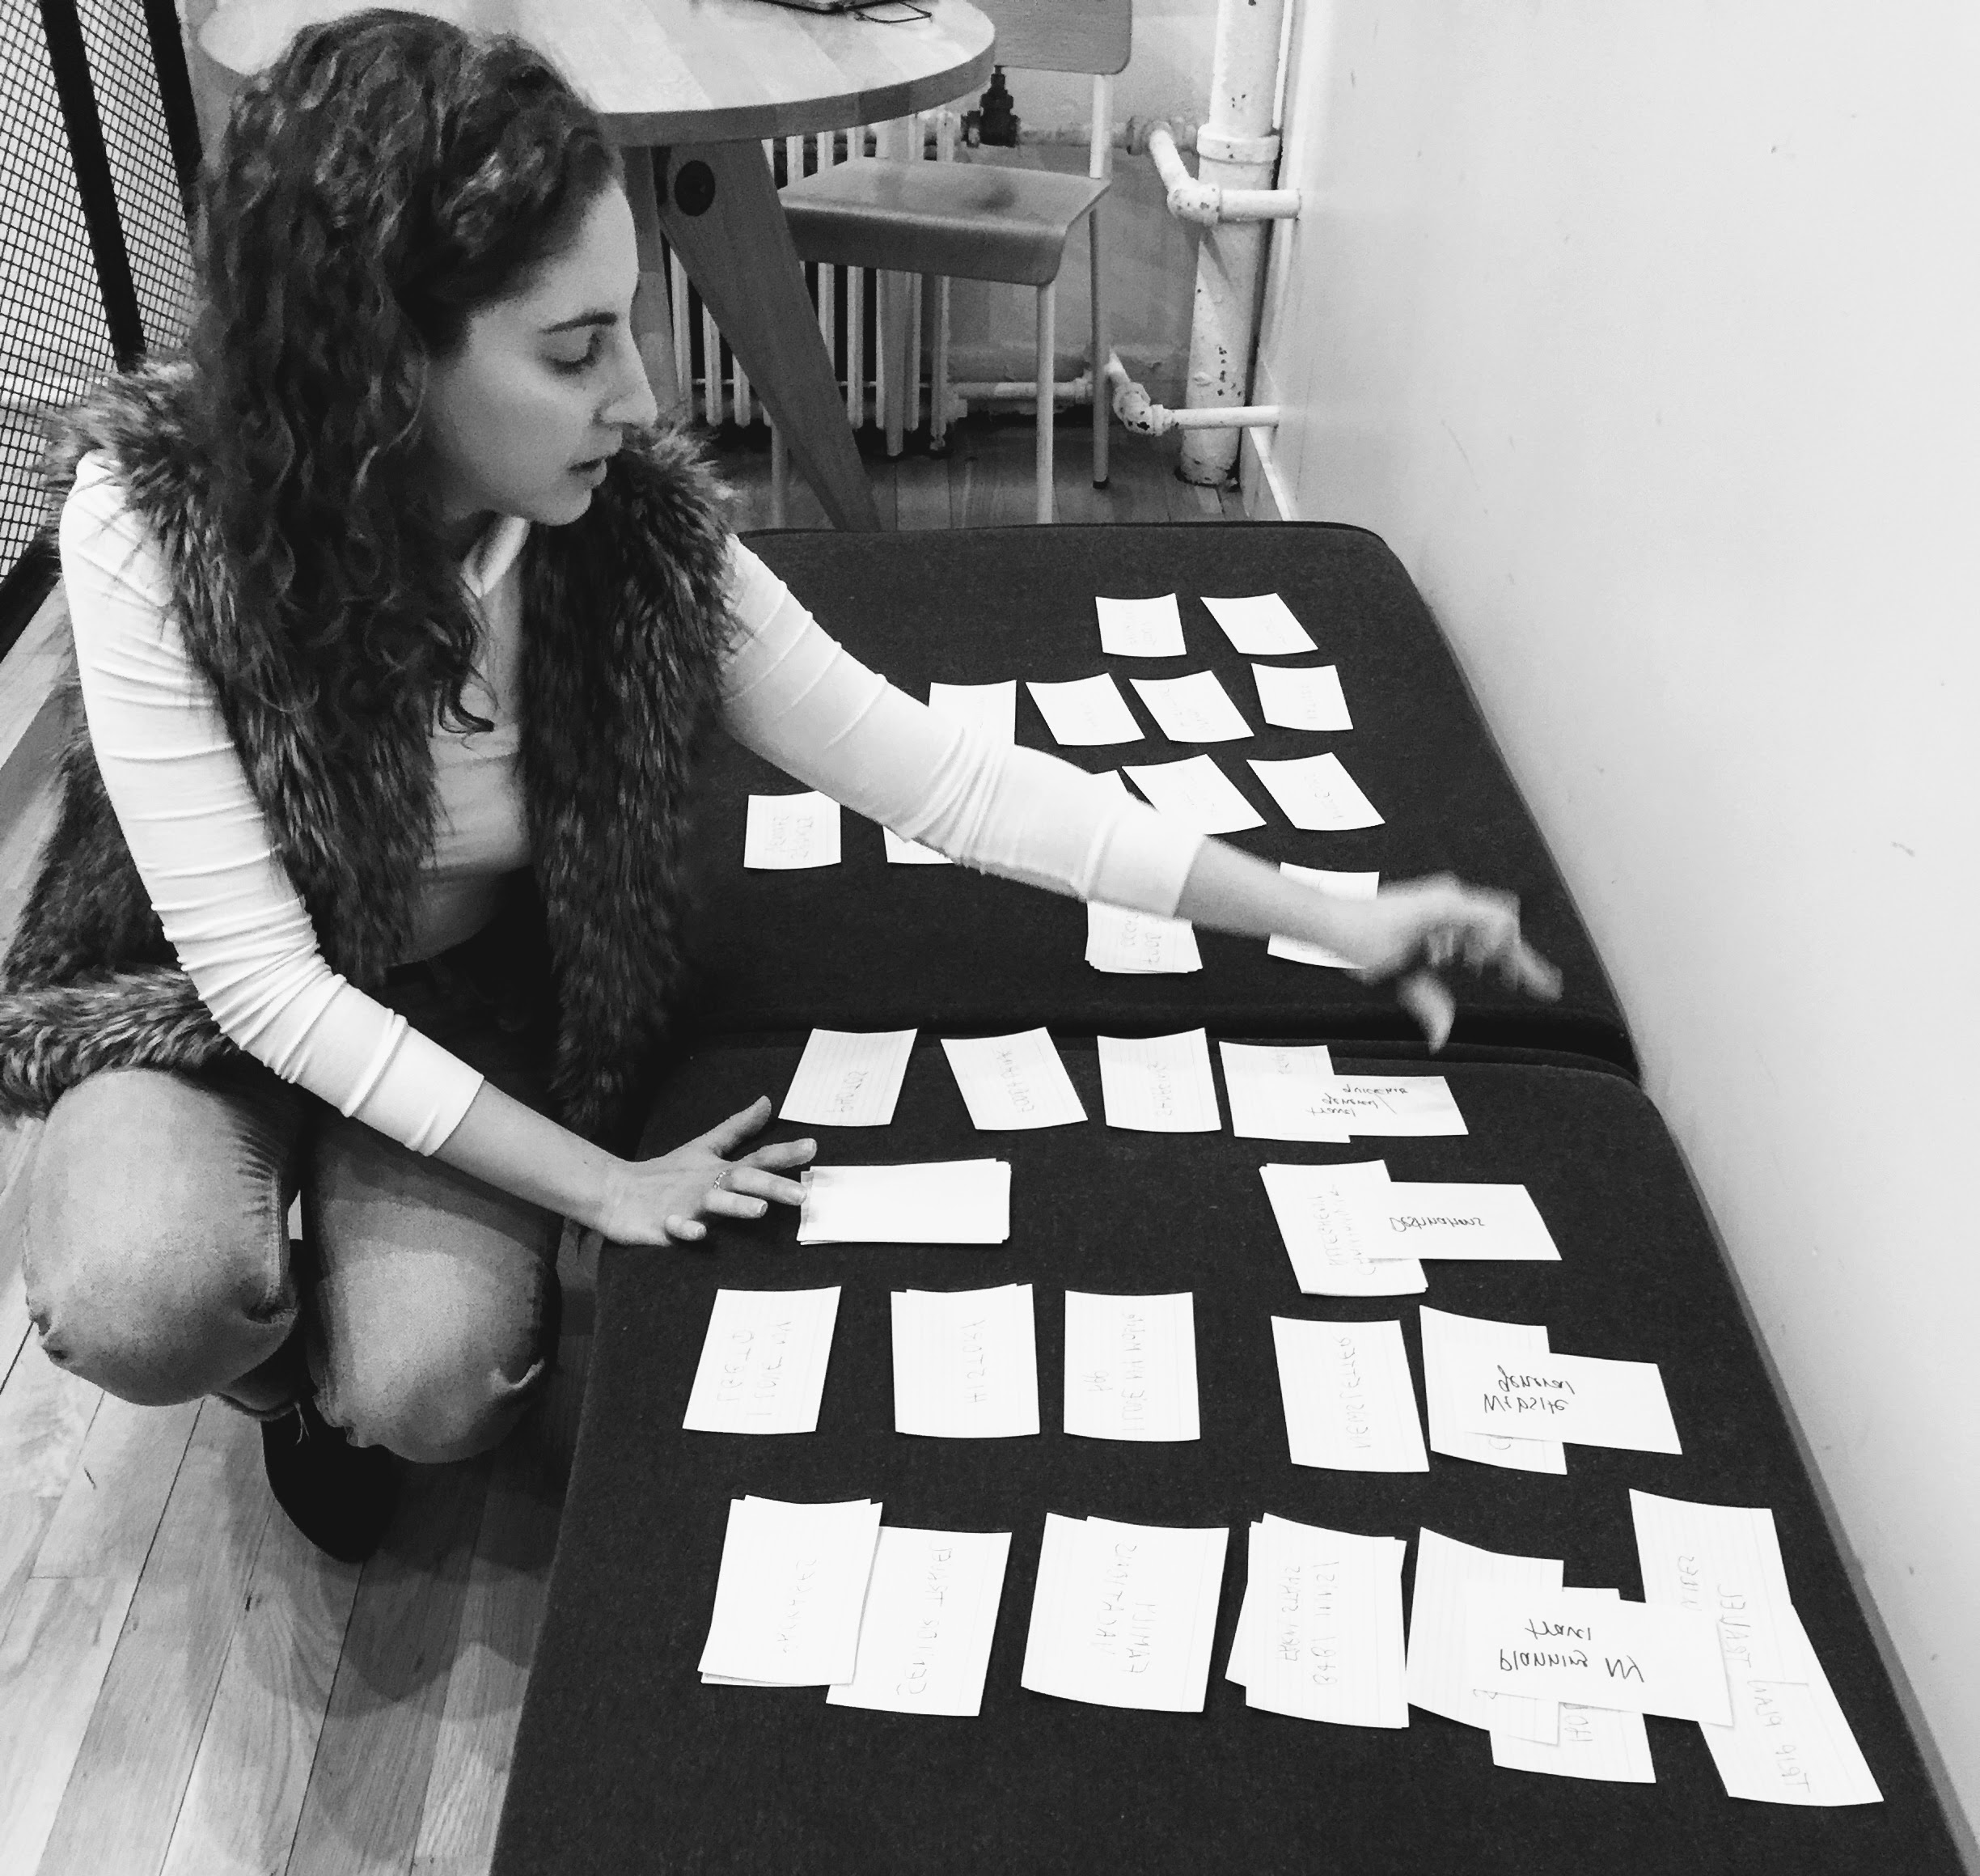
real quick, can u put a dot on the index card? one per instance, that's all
(931, 1612)
(966, 1363)
(1594, 1743)
(1084, 712)
(791, 1588)
(1349, 1403)
(938, 1201)
(1725, 1559)
(1788, 1743)
(1326, 1640)
(1140, 944)
(1316, 1209)
(1449, 1344)
(1197, 793)
(1339, 886)
(1195, 708)
(1636, 1658)
(1307, 697)
(1244, 1641)
(1124, 1614)
(1275, 1088)
(762, 1364)
(1463, 1222)
(1316, 792)
(1436, 1672)
(1159, 1084)
(1396, 1107)
(1010, 1082)
(783, 831)
(1131, 1367)
(1140, 628)
(991, 708)
(1262, 626)
(849, 1077)
(1579, 1400)
(902, 852)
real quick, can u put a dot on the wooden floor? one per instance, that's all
(186, 1686)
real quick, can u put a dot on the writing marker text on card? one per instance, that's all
(782, 832)
(849, 1077)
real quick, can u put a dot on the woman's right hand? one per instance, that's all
(659, 1201)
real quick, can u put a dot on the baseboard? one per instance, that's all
(1264, 491)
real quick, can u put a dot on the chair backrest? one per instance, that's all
(1062, 35)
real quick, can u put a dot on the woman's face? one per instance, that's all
(545, 383)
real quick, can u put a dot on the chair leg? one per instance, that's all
(1047, 307)
(780, 475)
(1101, 401)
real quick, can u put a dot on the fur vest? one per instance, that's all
(625, 621)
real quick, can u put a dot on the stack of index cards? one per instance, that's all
(966, 1363)
(940, 1201)
(792, 1590)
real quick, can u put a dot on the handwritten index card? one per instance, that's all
(1349, 1403)
(1009, 1081)
(1301, 698)
(1450, 1344)
(1124, 1614)
(1339, 886)
(1316, 792)
(931, 1611)
(1595, 1743)
(1197, 793)
(1396, 1107)
(1276, 1091)
(1159, 1084)
(1322, 1226)
(1261, 626)
(1437, 1676)
(1140, 944)
(1140, 628)
(938, 1201)
(1195, 708)
(1579, 1400)
(791, 1586)
(763, 1365)
(991, 708)
(1323, 1621)
(1131, 1367)
(1462, 1222)
(783, 831)
(966, 1363)
(849, 1077)
(1086, 712)
(1725, 1559)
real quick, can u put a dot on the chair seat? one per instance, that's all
(969, 220)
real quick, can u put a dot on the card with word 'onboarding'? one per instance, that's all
(1131, 1367)
(763, 1365)
(931, 1612)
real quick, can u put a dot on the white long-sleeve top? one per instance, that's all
(790, 692)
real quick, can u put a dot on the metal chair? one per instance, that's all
(985, 220)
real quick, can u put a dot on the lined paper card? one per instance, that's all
(1197, 793)
(1314, 792)
(1450, 1344)
(966, 1363)
(1337, 885)
(931, 1612)
(763, 1363)
(1436, 1675)
(1349, 1403)
(1276, 1091)
(1009, 1081)
(1725, 1561)
(1461, 1223)
(1086, 712)
(1140, 944)
(991, 708)
(1140, 628)
(849, 1077)
(905, 853)
(1262, 626)
(1301, 697)
(1789, 1742)
(937, 1201)
(783, 831)
(1131, 1367)
(1195, 708)
(1579, 1400)
(1124, 1614)
(1594, 1743)
(1159, 1084)
(1396, 1107)
(1322, 1226)
(793, 1585)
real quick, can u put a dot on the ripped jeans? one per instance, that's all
(421, 1305)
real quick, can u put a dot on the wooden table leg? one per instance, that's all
(718, 204)
(653, 323)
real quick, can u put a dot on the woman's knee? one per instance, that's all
(435, 1397)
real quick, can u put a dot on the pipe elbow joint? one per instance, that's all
(1201, 202)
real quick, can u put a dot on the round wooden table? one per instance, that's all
(700, 83)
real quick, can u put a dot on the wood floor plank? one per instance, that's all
(52, 1658)
(144, 1732)
(245, 1794)
(361, 1814)
(116, 1494)
(17, 1145)
(44, 1418)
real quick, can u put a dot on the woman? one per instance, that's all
(395, 620)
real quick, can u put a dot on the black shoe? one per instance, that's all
(339, 1496)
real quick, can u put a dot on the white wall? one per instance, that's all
(1646, 332)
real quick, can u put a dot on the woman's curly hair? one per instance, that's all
(389, 174)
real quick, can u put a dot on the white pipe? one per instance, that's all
(1139, 412)
(1208, 203)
